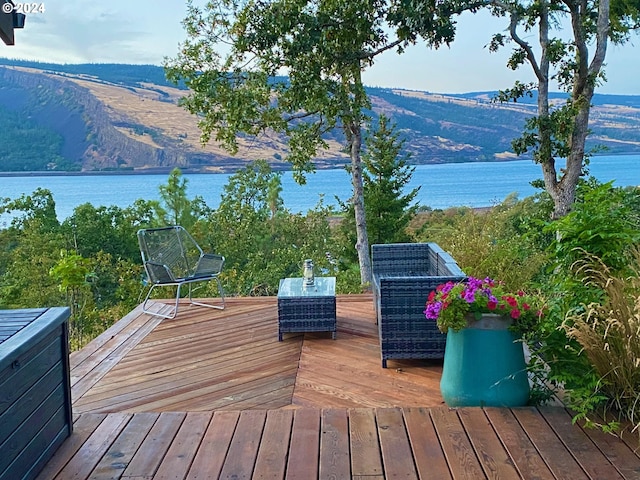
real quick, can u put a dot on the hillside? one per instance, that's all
(98, 117)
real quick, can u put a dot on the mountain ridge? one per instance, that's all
(120, 117)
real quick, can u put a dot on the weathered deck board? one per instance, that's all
(207, 360)
(213, 394)
(333, 443)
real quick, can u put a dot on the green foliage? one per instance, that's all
(177, 209)
(607, 332)
(261, 241)
(491, 243)
(604, 222)
(92, 230)
(29, 249)
(38, 210)
(71, 271)
(26, 146)
(385, 175)
(95, 274)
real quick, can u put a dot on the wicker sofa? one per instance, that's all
(403, 276)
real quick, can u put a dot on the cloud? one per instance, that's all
(80, 31)
(147, 31)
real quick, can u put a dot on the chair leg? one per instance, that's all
(208, 305)
(157, 314)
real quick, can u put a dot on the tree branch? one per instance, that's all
(602, 37)
(380, 50)
(513, 25)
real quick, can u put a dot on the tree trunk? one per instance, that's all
(362, 243)
(563, 190)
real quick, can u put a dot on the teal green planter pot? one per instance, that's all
(484, 366)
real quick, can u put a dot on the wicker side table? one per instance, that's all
(307, 308)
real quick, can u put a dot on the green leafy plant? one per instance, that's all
(451, 303)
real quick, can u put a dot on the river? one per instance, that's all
(441, 186)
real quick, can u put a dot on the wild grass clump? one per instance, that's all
(609, 333)
(497, 242)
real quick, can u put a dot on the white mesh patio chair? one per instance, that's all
(171, 257)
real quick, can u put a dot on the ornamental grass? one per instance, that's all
(609, 334)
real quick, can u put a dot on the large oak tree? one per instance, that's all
(572, 38)
(235, 51)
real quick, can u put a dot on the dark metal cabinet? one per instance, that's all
(35, 392)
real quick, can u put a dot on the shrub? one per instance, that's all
(498, 242)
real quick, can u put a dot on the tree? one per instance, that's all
(234, 51)
(90, 230)
(560, 131)
(179, 209)
(29, 249)
(263, 242)
(385, 175)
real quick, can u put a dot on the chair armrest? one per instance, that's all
(209, 264)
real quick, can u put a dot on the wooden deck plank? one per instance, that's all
(366, 460)
(585, 452)
(308, 407)
(209, 459)
(168, 370)
(202, 361)
(177, 460)
(394, 444)
(456, 446)
(272, 454)
(87, 374)
(92, 450)
(427, 452)
(256, 444)
(146, 460)
(619, 453)
(334, 445)
(83, 427)
(304, 450)
(524, 454)
(78, 356)
(552, 451)
(195, 392)
(243, 450)
(117, 458)
(493, 457)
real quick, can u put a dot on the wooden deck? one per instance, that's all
(213, 394)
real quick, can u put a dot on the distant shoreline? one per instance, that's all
(228, 170)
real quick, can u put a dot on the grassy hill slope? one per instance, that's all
(126, 118)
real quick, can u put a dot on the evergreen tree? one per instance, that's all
(178, 209)
(385, 175)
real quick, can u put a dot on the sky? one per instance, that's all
(148, 31)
